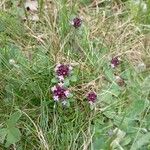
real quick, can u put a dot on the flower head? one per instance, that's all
(115, 62)
(60, 92)
(62, 71)
(76, 22)
(92, 96)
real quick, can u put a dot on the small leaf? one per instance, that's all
(73, 78)
(3, 133)
(70, 95)
(13, 119)
(68, 104)
(92, 107)
(126, 124)
(54, 80)
(66, 82)
(126, 74)
(143, 140)
(136, 108)
(100, 143)
(13, 136)
(72, 100)
(126, 141)
(146, 86)
(110, 114)
(115, 89)
(109, 74)
(107, 97)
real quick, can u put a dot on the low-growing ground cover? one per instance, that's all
(74, 75)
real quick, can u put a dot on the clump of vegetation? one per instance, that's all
(74, 75)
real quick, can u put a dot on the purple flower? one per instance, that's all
(62, 71)
(60, 92)
(76, 22)
(92, 96)
(115, 62)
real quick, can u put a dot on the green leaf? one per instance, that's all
(68, 104)
(112, 89)
(3, 133)
(13, 136)
(13, 119)
(143, 140)
(110, 114)
(92, 107)
(54, 80)
(115, 90)
(73, 78)
(107, 97)
(126, 124)
(136, 108)
(70, 95)
(146, 86)
(66, 82)
(126, 141)
(100, 144)
(72, 100)
(126, 74)
(109, 74)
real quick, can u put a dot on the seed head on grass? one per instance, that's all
(120, 81)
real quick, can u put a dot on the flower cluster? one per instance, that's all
(115, 62)
(62, 71)
(76, 22)
(60, 91)
(91, 97)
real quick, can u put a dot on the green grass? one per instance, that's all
(29, 117)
